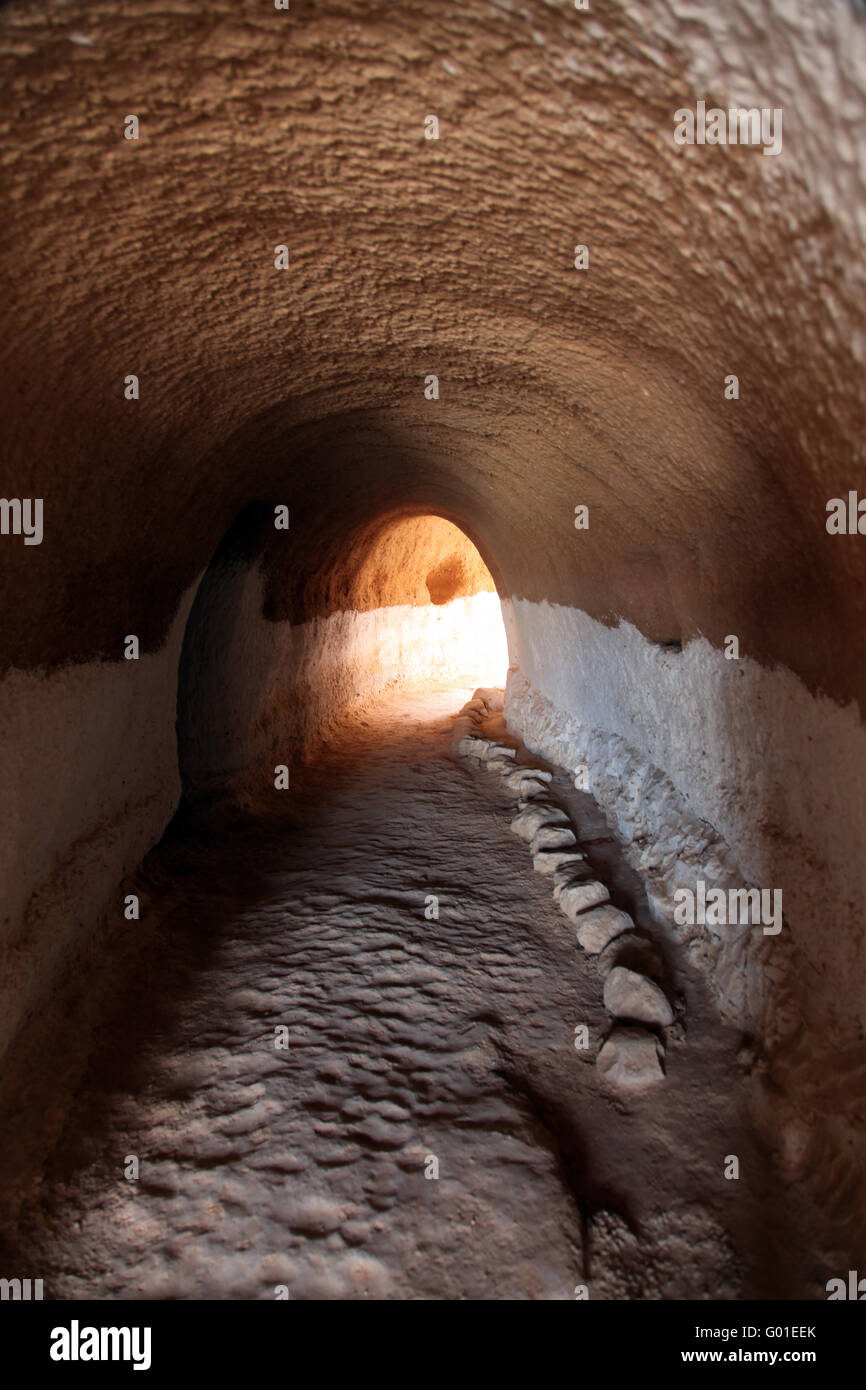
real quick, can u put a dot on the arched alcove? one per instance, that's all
(407, 598)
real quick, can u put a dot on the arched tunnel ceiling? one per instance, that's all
(407, 257)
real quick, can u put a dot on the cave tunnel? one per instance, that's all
(433, 650)
(404, 598)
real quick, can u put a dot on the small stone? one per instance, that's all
(581, 896)
(532, 802)
(633, 950)
(631, 1058)
(547, 861)
(470, 747)
(553, 837)
(629, 995)
(530, 820)
(492, 698)
(529, 790)
(525, 776)
(498, 750)
(355, 1232)
(569, 875)
(382, 1134)
(313, 1216)
(599, 926)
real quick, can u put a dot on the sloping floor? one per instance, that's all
(411, 1038)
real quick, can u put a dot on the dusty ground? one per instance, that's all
(408, 1038)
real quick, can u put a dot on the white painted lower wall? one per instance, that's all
(88, 766)
(714, 768)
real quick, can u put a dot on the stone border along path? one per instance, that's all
(631, 1055)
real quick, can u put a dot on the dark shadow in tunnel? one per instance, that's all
(207, 754)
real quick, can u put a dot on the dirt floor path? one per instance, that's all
(411, 1038)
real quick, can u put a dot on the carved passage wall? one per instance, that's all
(354, 345)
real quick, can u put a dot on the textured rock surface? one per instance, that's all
(631, 1058)
(687, 1248)
(552, 837)
(632, 949)
(598, 927)
(532, 818)
(306, 388)
(575, 898)
(527, 784)
(549, 861)
(407, 1038)
(262, 128)
(629, 995)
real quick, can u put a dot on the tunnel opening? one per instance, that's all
(406, 601)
